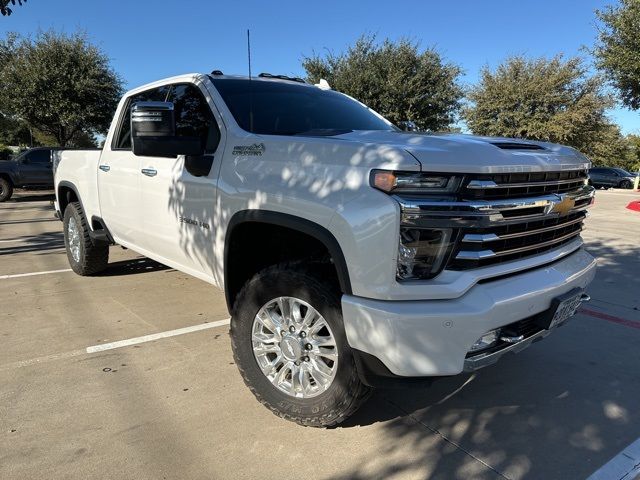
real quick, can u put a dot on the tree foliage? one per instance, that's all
(618, 49)
(61, 85)
(394, 78)
(5, 10)
(545, 99)
(633, 163)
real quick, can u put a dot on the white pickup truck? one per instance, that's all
(352, 254)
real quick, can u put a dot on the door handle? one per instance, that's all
(105, 168)
(149, 172)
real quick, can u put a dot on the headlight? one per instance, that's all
(412, 182)
(421, 252)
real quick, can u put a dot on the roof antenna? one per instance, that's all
(250, 83)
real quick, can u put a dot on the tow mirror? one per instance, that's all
(153, 132)
(408, 126)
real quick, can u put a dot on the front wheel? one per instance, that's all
(289, 344)
(6, 189)
(85, 258)
(626, 184)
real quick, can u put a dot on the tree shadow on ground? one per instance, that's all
(33, 243)
(558, 410)
(34, 196)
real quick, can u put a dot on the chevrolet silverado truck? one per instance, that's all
(30, 169)
(352, 254)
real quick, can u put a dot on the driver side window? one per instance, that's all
(192, 114)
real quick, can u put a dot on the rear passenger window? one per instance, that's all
(39, 156)
(123, 139)
(193, 116)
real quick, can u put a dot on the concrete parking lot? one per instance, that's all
(176, 407)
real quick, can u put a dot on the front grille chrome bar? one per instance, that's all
(482, 184)
(481, 213)
(492, 237)
(472, 255)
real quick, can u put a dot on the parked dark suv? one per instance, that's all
(608, 177)
(32, 168)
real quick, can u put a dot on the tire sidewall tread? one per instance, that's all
(7, 189)
(93, 258)
(346, 393)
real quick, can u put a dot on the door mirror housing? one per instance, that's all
(153, 132)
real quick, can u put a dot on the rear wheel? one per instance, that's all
(289, 344)
(85, 258)
(6, 189)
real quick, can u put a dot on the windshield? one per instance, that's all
(287, 108)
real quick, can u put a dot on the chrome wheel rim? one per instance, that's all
(73, 234)
(294, 347)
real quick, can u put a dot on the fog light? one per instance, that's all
(487, 340)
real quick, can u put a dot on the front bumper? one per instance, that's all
(432, 337)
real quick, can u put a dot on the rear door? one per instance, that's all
(35, 168)
(119, 176)
(178, 206)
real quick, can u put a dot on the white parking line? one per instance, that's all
(625, 465)
(17, 275)
(156, 336)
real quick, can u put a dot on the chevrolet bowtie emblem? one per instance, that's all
(563, 207)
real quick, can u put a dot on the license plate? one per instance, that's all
(566, 308)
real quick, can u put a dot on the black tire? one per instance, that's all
(6, 189)
(626, 184)
(345, 394)
(91, 258)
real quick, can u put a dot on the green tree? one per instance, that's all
(551, 100)
(618, 49)
(61, 85)
(633, 163)
(5, 10)
(394, 78)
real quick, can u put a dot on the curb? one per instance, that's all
(635, 206)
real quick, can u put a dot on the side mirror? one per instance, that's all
(408, 126)
(153, 132)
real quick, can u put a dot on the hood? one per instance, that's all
(474, 154)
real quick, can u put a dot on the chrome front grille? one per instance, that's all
(479, 247)
(515, 185)
(502, 218)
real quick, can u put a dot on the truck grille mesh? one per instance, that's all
(528, 231)
(518, 185)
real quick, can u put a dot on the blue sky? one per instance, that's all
(148, 40)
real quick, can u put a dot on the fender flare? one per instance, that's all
(73, 188)
(293, 222)
(11, 176)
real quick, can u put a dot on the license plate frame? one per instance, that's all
(562, 309)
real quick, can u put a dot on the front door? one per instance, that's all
(178, 206)
(119, 175)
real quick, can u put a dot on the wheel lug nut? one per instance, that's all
(283, 333)
(308, 346)
(306, 359)
(303, 334)
(292, 329)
